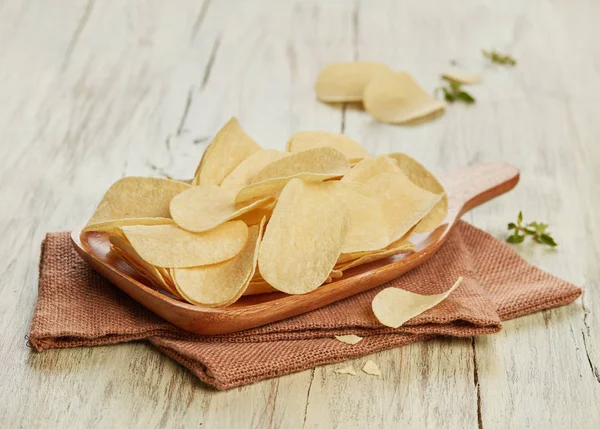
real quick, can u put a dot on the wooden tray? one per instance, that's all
(466, 188)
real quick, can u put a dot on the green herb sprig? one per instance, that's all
(537, 231)
(498, 58)
(454, 92)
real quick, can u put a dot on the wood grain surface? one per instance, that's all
(93, 91)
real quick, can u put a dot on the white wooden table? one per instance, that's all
(93, 91)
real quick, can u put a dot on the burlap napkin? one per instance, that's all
(77, 307)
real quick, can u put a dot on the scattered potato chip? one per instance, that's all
(393, 307)
(396, 98)
(303, 238)
(228, 149)
(305, 140)
(346, 371)
(327, 161)
(349, 339)
(423, 178)
(255, 216)
(243, 174)
(371, 368)
(220, 284)
(112, 226)
(255, 288)
(313, 165)
(172, 247)
(462, 77)
(135, 198)
(346, 82)
(205, 207)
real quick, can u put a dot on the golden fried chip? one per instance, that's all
(205, 207)
(304, 237)
(305, 140)
(258, 287)
(220, 284)
(345, 82)
(112, 226)
(396, 98)
(313, 165)
(423, 178)
(349, 339)
(243, 174)
(255, 216)
(462, 77)
(172, 247)
(135, 198)
(366, 257)
(228, 149)
(393, 307)
(371, 368)
(369, 168)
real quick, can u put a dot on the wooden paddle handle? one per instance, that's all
(472, 186)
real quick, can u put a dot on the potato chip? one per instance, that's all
(220, 284)
(367, 228)
(421, 177)
(255, 216)
(393, 307)
(396, 98)
(112, 226)
(346, 371)
(403, 243)
(327, 161)
(135, 197)
(304, 237)
(305, 140)
(377, 255)
(345, 82)
(228, 149)
(404, 203)
(172, 247)
(369, 168)
(243, 174)
(349, 339)
(313, 165)
(255, 288)
(462, 77)
(205, 207)
(371, 368)
(336, 274)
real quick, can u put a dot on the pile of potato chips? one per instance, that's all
(389, 96)
(255, 220)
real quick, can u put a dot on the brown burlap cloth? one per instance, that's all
(77, 307)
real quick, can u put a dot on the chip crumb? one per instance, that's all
(347, 371)
(371, 368)
(349, 339)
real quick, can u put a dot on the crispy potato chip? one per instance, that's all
(462, 77)
(205, 207)
(255, 288)
(220, 284)
(327, 161)
(135, 197)
(371, 368)
(336, 274)
(243, 174)
(127, 252)
(228, 149)
(305, 140)
(112, 226)
(421, 177)
(255, 216)
(166, 275)
(172, 247)
(367, 229)
(403, 243)
(393, 307)
(349, 339)
(369, 168)
(346, 371)
(313, 165)
(304, 237)
(406, 247)
(396, 98)
(346, 82)
(404, 203)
